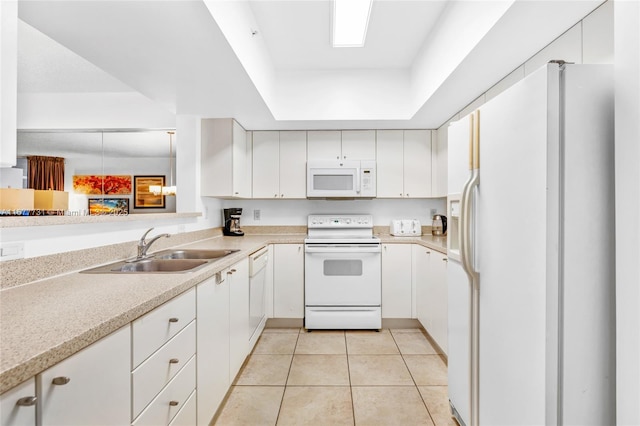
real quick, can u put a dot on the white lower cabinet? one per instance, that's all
(239, 329)
(187, 416)
(168, 403)
(92, 387)
(396, 281)
(212, 345)
(164, 366)
(430, 279)
(288, 281)
(18, 405)
(439, 306)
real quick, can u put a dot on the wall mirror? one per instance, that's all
(118, 155)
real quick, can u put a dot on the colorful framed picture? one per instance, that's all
(145, 199)
(108, 206)
(102, 184)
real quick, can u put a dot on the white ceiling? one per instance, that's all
(423, 60)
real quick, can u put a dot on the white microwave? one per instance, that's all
(341, 179)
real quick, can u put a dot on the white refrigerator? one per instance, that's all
(531, 253)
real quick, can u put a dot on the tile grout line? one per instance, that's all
(287, 379)
(413, 380)
(353, 407)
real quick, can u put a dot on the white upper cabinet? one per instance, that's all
(404, 163)
(439, 163)
(390, 164)
(417, 163)
(341, 145)
(279, 164)
(225, 159)
(358, 144)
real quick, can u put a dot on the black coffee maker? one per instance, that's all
(232, 222)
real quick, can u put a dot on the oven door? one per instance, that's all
(342, 275)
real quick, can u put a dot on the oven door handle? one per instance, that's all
(349, 249)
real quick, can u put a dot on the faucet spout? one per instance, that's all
(143, 244)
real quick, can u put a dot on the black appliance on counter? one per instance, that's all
(232, 222)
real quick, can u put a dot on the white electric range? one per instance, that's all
(342, 273)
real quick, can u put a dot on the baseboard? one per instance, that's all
(284, 323)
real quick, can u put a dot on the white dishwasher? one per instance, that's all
(257, 280)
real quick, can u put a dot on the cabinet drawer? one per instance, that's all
(187, 415)
(172, 398)
(158, 326)
(154, 373)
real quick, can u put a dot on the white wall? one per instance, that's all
(295, 212)
(627, 211)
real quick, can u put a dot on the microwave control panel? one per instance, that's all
(367, 178)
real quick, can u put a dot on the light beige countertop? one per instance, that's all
(44, 322)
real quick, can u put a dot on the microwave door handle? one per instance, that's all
(358, 171)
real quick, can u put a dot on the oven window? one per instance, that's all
(342, 267)
(333, 182)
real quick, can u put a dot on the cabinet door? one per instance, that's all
(422, 263)
(440, 300)
(212, 355)
(266, 164)
(239, 329)
(439, 163)
(358, 144)
(323, 145)
(396, 281)
(288, 281)
(293, 164)
(417, 163)
(241, 162)
(18, 405)
(92, 387)
(390, 163)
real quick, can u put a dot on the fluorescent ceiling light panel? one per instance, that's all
(350, 21)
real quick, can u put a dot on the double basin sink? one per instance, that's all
(167, 261)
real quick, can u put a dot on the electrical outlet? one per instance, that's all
(256, 214)
(432, 212)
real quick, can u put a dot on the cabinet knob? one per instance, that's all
(338, 157)
(236, 193)
(174, 361)
(275, 195)
(401, 194)
(281, 195)
(428, 252)
(173, 403)
(61, 380)
(173, 319)
(407, 194)
(27, 401)
(445, 260)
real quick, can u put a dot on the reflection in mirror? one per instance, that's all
(120, 154)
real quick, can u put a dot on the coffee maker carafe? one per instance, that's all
(232, 222)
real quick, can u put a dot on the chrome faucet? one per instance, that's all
(143, 244)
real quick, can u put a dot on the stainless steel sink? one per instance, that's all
(193, 254)
(160, 265)
(167, 261)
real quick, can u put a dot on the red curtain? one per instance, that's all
(46, 173)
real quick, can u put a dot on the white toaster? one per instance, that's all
(405, 228)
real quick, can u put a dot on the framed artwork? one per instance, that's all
(108, 206)
(102, 184)
(145, 199)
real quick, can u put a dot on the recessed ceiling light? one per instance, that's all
(350, 21)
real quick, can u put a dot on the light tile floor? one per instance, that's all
(294, 377)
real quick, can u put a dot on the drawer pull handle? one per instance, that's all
(174, 361)
(61, 380)
(27, 401)
(173, 319)
(445, 260)
(173, 403)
